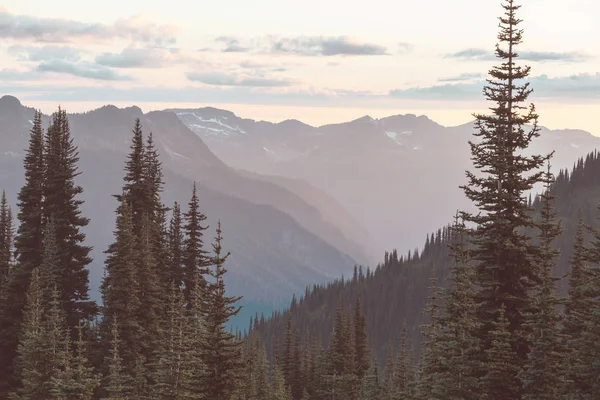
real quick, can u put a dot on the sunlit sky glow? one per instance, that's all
(317, 61)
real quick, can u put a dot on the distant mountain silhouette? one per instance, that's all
(280, 243)
(399, 176)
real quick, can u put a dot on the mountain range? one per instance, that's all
(299, 205)
(398, 176)
(283, 234)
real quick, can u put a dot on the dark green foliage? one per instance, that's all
(6, 242)
(195, 259)
(62, 206)
(33, 361)
(75, 379)
(118, 383)
(503, 252)
(502, 363)
(542, 375)
(222, 352)
(28, 248)
(120, 288)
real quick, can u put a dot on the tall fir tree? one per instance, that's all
(503, 252)
(362, 356)
(6, 242)
(195, 258)
(459, 348)
(222, 352)
(76, 379)
(61, 204)
(28, 249)
(118, 382)
(120, 289)
(542, 375)
(501, 381)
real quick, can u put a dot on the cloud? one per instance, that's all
(580, 87)
(303, 46)
(326, 46)
(538, 56)
(11, 75)
(83, 70)
(141, 58)
(44, 53)
(462, 77)
(226, 79)
(232, 45)
(57, 30)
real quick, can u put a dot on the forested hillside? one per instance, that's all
(396, 290)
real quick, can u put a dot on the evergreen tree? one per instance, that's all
(459, 348)
(195, 259)
(118, 382)
(431, 366)
(503, 252)
(76, 380)
(404, 386)
(222, 355)
(501, 382)
(28, 249)
(6, 242)
(135, 191)
(362, 358)
(120, 288)
(542, 374)
(33, 361)
(60, 204)
(279, 390)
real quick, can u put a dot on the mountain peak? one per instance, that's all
(365, 119)
(8, 101)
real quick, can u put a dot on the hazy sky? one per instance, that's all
(314, 60)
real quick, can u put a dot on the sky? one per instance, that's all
(313, 60)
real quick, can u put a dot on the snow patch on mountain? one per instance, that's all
(30, 121)
(574, 145)
(393, 136)
(203, 125)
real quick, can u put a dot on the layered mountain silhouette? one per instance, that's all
(283, 234)
(398, 176)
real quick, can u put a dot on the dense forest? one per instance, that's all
(482, 311)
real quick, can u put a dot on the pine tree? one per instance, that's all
(60, 204)
(33, 366)
(222, 351)
(195, 259)
(120, 288)
(118, 382)
(151, 300)
(28, 248)
(6, 242)
(362, 357)
(278, 389)
(501, 382)
(135, 191)
(76, 380)
(542, 374)
(404, 386)
(458, 346)
(431, 366)
(503, 252)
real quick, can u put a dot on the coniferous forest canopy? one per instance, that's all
(503, 303)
